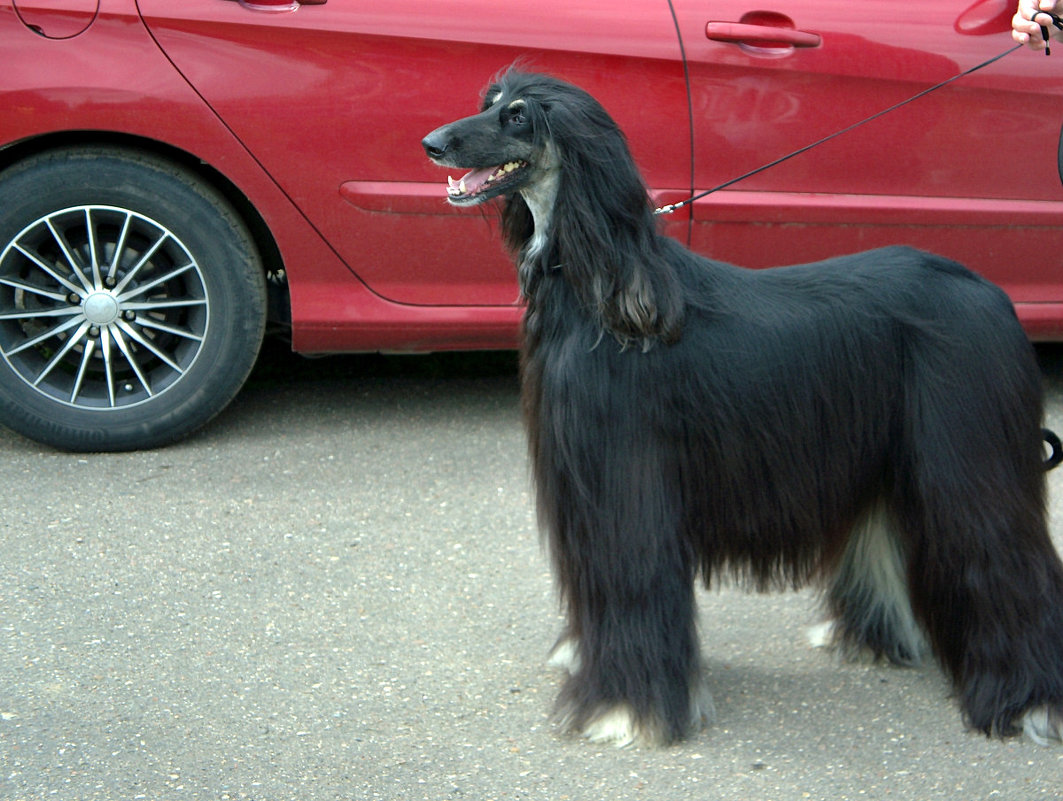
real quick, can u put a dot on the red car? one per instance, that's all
(174, 175)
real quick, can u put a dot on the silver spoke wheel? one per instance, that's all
(132, 299)
(100, 307)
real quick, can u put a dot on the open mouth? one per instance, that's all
(483, 183)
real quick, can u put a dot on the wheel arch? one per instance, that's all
(279, 311)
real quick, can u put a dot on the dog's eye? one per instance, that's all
(515, 114)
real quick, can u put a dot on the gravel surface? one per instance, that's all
(337, 591)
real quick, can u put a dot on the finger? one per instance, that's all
(1023, 25)
(1035, 41)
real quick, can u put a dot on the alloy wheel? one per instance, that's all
(100, 307)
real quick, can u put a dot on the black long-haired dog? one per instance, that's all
(872, 422)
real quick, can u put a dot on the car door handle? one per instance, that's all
(761, 35)
(278, 5)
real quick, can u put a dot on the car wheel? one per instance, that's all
(132, 300)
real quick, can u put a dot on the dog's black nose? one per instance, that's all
(435, 145)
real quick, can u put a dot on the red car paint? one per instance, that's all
(314, 113)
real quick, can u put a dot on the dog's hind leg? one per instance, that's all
(868, 595)
(989, 588)
(985, 579)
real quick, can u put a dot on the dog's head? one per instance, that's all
(575, 203)
(506, 147)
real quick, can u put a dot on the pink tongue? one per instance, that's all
(476, 178)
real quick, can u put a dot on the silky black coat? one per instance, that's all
(871, 423)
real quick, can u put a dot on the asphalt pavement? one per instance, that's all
(337, 591)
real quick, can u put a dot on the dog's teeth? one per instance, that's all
(502, 171)
(461, 187)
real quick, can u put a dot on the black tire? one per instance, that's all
(106, 353)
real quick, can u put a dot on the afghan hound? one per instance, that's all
(870, 422)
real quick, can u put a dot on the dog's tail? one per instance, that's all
(1056, 446)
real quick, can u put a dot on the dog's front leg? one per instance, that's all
(631, 645)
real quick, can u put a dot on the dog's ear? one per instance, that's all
(641, 307)
(622, 271)
(601, 231)
(636, 312)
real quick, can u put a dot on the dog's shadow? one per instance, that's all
(823, 692)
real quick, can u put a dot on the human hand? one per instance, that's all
(1025, 26)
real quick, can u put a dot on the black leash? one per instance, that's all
(1057, 21)
(668, 209)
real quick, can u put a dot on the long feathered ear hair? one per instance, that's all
(602, 232)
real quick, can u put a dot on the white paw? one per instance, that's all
(822, 634)
(565, 655)
(615, 725)
(1043, 725)
(618, 725)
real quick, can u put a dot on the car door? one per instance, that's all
(333, 98)
(968, 171)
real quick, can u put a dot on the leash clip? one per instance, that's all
(1057, 21)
